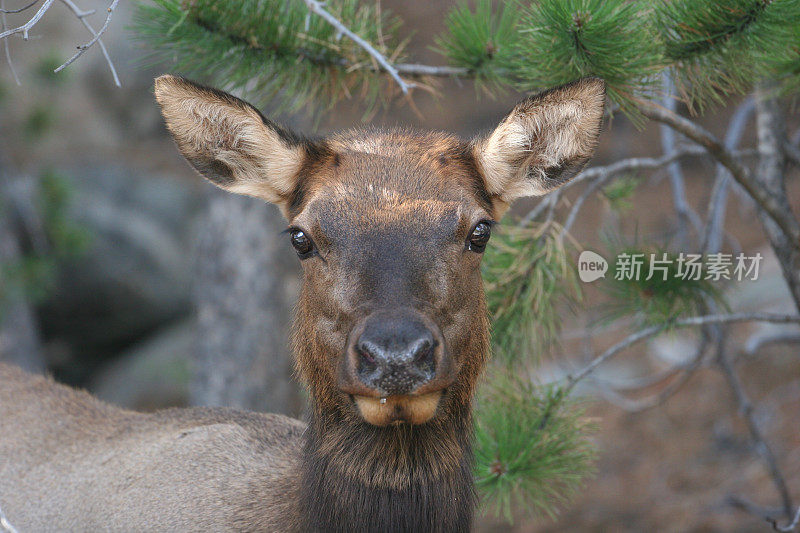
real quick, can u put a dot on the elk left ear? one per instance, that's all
(544, 142)
(229, 142)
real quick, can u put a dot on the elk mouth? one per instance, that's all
(412, 409)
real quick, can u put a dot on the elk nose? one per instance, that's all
(395, 356)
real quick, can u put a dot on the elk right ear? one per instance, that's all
(229, 142)
(543, 142)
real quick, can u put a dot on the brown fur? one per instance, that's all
(390, 213)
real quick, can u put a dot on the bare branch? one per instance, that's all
(25, 28)
(760, 443)
(686, 214)
(81, 15)
(573, 214)
(5, 525)
(687, 371)
(766, 513)
(791, 526)
(317, 8)
(416, 70)
(635, 163)
(5, 41)
(573, 379)
(712, 238)
(546, 202)
(785, 220)
(601, 175)
(758, 341)
(20, 10)
(96, 37)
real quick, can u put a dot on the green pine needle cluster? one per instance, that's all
(717, 47)
(483, 41)
(567, 39)
(275, 51)
(532, 447)
(656, 300)
(714, 47)
(619, 193)
(279, 52)
(528, 277)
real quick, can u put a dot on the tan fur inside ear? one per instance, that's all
(544, 141)
(228, 141)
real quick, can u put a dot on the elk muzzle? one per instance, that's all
(396, 367)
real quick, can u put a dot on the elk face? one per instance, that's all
(390, 236)
(390, 228)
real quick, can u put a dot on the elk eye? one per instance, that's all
(302, 243)
(479, 237)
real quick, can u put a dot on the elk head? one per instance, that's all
(389, 227)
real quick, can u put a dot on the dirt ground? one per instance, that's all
(672, 468)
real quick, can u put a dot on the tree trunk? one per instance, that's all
(770, 175)
(246, 284)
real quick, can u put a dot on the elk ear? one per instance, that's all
(229, 142)
(544, 141)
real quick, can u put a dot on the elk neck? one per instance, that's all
(359, 477)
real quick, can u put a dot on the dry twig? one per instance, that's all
(686, 214)
(760, 443)
(5, 525)
(574, 378)
(317, 8)
(81, 15)
(24, 29)
(3, 12)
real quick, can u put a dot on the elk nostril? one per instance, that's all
(423, 359)
(423, 350)
(367, 358)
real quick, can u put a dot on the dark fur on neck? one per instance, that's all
(360, 478)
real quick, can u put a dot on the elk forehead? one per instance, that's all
(386, 175)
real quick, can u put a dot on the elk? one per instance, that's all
(390, 336)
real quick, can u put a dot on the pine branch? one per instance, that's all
(532, 446)
(785, 220)
(710, 31)
(686, 370)
(574, 378)
(723, 47)
(316, 7)
(274, 49)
